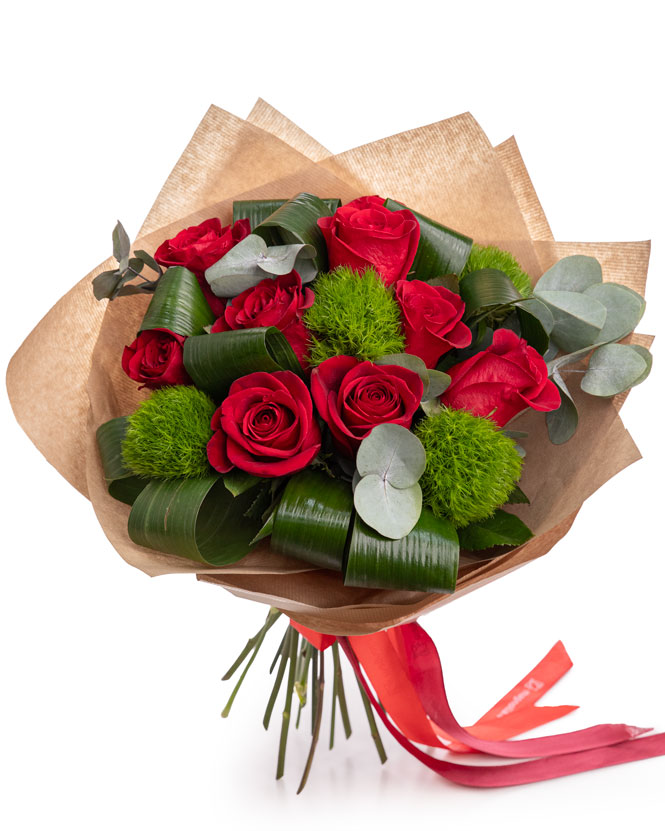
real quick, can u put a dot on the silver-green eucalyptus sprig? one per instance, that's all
(111, 284)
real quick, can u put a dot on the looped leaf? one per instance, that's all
(575, 273)
(440, 250)
(178, 304)
(193, 518)
(122, 484)
(214, 361)
(426, 559)
(536, 323)
(251, 261)
(258, 210)
(483, 289)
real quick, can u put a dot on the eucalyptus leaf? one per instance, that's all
(408, 361)
(296, 221)
(149, 260)
(625, 308)
(578, 318)
(394, 454)
(562, 422)
(613, 368)
(426, 559)
(438, 384)
(105, 284)
(648, 360)
(391, 511)
(440, 250)
(121, 244)
(501, 528)
(575, 273)
(536, 322)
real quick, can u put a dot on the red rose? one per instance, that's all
(265, 426)
(352, 397)
(155, 359)
(501, 381)
(199, 247)
(276, 302)
(364, 233)
(432, 318)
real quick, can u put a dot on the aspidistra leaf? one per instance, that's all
(178, 304)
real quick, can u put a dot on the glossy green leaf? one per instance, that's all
(562, 422)
(178, 304)
(121, 482)
(440, 250)
(424, 560)
(625, 308)
(578, 318)
(312, 519)
(258, 210)
(501, 528)
(391, 511)
(193, 518)
(266, 529)
(238, 481)
(481, 290)
(575, 273)
(252, 260)
(613, 368)
(215, 361)
(536, 322)
(518, 497)
(296, 222)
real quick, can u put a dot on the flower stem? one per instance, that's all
(284, 653)
(317, 723)
(341, 696)
(373, 729)
(286, 715)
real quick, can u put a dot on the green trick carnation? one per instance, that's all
(472, 467)
(489, 256)
(168, 433)
(353, 314)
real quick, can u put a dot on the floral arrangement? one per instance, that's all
(335, 388)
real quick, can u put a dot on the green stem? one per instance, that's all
(286, 715)
(373, 729)
(280, 651)
(301, 683)
(315, 694)
(317, 725)
(284, 652)
(334, 706)
(341, 696)
(273, 614)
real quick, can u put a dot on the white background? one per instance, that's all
(110, 692)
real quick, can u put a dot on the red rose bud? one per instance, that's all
(501, 381)
(352, 397)
(154, 359)
(199, 247)
(276, 302)
(365, 233)
(432, 319)
(265, 426)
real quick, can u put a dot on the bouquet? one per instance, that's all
(350, 407)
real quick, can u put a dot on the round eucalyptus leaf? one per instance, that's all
(438, 384)
(625, 308)
(575, 273)
(578, 318)
(393, 512)
(394, 454)
(281, 259)
(613, 368)
(536, 308)
(648, 358)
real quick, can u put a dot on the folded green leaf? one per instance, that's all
(252, 260)
(121, 483)
(484, 289)
(215, 361)
(296, 222)
(578, 318)
(501, 528)
(258, 210)
(178, 304)
(625, 308)
(440, 250)
(575, 273)
(536, 322)
(238, 481)
(426, 559)
(193, 518)
(312, 519)
(614, 368)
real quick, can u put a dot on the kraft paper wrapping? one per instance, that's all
(449, 171)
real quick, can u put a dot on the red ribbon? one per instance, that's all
(404, 670)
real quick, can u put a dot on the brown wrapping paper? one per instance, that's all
(448, 171)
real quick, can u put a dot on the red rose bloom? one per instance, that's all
(265, 426)
(364, 233)
(276, 302)
(432, 319)
(155, 359)
(501, 381)
(199, 247)
(353, 396)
